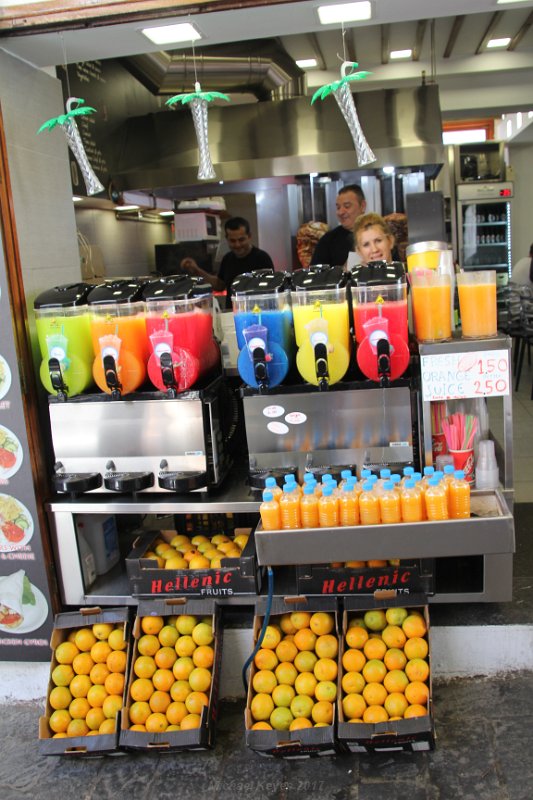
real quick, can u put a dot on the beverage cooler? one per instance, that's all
(484, 227)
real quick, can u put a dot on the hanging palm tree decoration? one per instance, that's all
(70, 128)
(343, 95)
(197, 101)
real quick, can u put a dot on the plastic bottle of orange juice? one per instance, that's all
(345, 475)
(389, 504)
(411, 502)
(459, 496)
(421, 489)
(397, 482)
(328, 508)
(355, 485)
(289, 507)
(428, 473)
(290, 479)
(309, 506)
(348, 505)
(270, 513)
(407, 474)
(436, 501)
(369, 505)
(272, 486)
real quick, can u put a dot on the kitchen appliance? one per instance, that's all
(484, 227)
(63, 331)
(264, 327)
(179, 325)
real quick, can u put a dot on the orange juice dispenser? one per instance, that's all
(118, 331)
(321, 324)
(63, 331)
(179, 325)
(379, 297)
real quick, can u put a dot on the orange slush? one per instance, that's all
(134, 351)
(477, 303)
(431, 309)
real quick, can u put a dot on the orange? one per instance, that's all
(139, 712)
(163, 679)
(116, 639)
(165, 657)
(185, 624)
(62, 675)
(393, 636)
(168, 636)
(148, 645)
(152, 624)
(138, 727)
(395, 658)
(375, 714)
(159, 701)
(200, 679)
(190, 721)
(102, 630)
(326, 646)
(282, 695)
(265, 659)
(114, 683)
(353, 660)
(281, 718)
(322, 712)
(396, 704)
(84, 639)
(144, 666)
(375, 694)
(99, 652)
(65, 652)
(415, 710)
(179, 538)
(116, 661)
(185, 646)
(94, 718)
(286, 673)
(182, 668)
(156, 723)
(203, 656)
(375, 619)
(261, 707)
(374, 671)
(77, 727)
(417, 669)
(299, 723)
(60, 697)
(195, 701)
(263, 681)
(300, 619)
(107, 726)
(305, 639)
(353, 683)
(416, 647)
(261, 726)
(99, 673)
(271, 638)
(396, 615)
(305, 661)
(59, 720)
(286, 650)
(353, 706)
(78, 708)
(180, 690)
(302, 706)
(82, 663)
(356, 637)
(112, 705)
(141, 689)
(395, 681)
(414, 625)
(376, 562)
(199, 562)
(321, 623)
(326, 690)
(96, 696)
(175, 712)
(305, 683)
(325, 669)
(191, 553)
(286, 624)
(80, 685)
(417, 693)
(375, 648)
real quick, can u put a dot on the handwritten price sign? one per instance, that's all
(451, 376)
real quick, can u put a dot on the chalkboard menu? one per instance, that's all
(25, 608)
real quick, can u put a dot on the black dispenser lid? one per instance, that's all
(119, 291)
(378, 273)
(64, 296)
(320, 277)
(260, 282)
(176, 287)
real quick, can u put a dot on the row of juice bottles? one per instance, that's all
(389, 499)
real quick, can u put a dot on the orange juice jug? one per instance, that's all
(289, 507)
(348, 506)
(309, 507)
(389, 504)
(369, 513)
(269, 511)
(328, 508)
(272, 486)
(459, 496)
(436, 501)
(411, 503)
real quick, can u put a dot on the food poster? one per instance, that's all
(25, 607)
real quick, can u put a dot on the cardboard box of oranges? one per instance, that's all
(172, 692)
(366, 577)
(170, 563)
(292, 690)
(87, 683)
(385, 661)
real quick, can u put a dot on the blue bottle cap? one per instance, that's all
(408, 470)
(429, 470)
(449, 469)
(388, 486)
(327, 490)
(409, 484)
(368, 486)
(346, 473)
(267, 495)
(384, 473)
(308, 476)
(309, 488)
(270, 482)
(459, 474)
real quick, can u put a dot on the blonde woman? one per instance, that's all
(373, 238)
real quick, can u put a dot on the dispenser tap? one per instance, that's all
(111, 377)
(321, 364)
(383, 354)
(167, 374)
(56, 379)
(260, 368)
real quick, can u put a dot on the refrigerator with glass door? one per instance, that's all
(484, 227)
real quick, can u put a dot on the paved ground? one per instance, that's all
(484, 745)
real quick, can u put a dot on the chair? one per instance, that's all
(509, 306)
(524, 337)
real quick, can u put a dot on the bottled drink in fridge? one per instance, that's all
(269, 511)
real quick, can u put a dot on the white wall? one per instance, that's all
(521, 160)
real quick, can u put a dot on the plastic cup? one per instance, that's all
(432, 298)
(464, 459)
(477, 304)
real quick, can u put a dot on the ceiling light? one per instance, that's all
(400, 54)
(166, 213)
(127, 208)
(499, 42)
(466, 136)
(306, 63)
(171, 34)
(76, 199)
(388, 170)
(344, 12)
(508, 2)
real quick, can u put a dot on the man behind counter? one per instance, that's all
(334, 246)
(243, 257)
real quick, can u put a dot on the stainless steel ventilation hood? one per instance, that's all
(282, 138)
